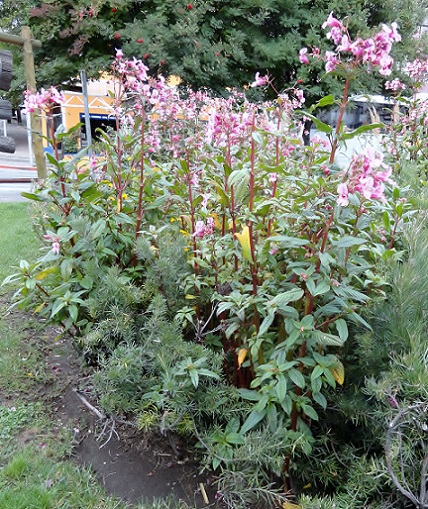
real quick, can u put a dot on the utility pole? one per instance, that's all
(28, 44)
(86, 108)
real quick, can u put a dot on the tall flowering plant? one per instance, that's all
(350, 57)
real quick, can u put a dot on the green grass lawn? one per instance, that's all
(17, 237)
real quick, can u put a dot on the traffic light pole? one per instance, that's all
(28, 44)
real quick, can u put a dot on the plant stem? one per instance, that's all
(340, 118)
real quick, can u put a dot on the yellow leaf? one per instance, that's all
(185, 233)
(40, 307)
(189, 297)
(44, 273)
(241, 356)
(244, 240)
(216, 221)
(338, 373)
(289, 505)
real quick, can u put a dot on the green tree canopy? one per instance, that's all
(208, 43)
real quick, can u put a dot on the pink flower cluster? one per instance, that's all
(202, 229)
(321, 143)
(228, 122)
(418, 69)
(417, 114)
(367, 175)
(374, 50)
(54, 239)
(395, 85)
(44, 100)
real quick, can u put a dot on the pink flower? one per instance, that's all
(342, 199)
(273, 177)
(332, 22)
(345, 44)
(205, 199)
(303, 57)
(200, 229)
(331, 61)
(54, 239)
(299, 95)
(119, 54)
(335, 34)
(259, 81)
(194, 179)
(392, 32)
(55, 247)
(209, 228)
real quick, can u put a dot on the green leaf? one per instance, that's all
(317, 372)
(287, 405)
(342, 329)
(56, 308)
(288, 242)
(252, 420)
(309, 411)
(328, 100)
(316, 385)
(32, 196)
(361, 130)
(66, 268)
(349, 241)
(197, 200)
(320, 399)
(216, 463)
(325, 339)
(281, 388)
(324, 128)
(386, 221)
(282, 299)
(73, 312)
(321, 288)
(235, 438)
(98, 228)
(208, 373)
(267, 322)
(310, 285)
(223, 198)
(232, 426)
(250, 395)
(297, 378)
(194, 377)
